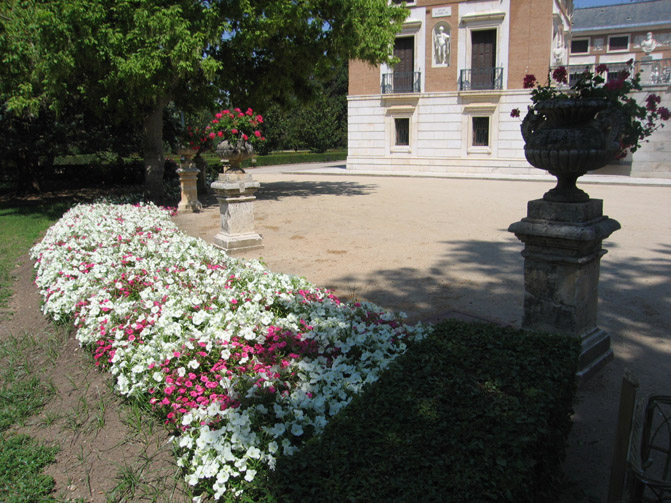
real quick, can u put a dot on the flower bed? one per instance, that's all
(245, 364)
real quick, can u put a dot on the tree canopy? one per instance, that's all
(124, 61)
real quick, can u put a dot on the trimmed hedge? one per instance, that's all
(474, 413)
(92, 170)
(214, 162)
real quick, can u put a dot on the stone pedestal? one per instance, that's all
(188, 178)
(235, 193)
(561, 273)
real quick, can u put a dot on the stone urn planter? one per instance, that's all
(569, 137)
(235, 191)
(563, 232)
(234, 153)
(188, 178)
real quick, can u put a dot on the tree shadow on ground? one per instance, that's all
(480, 277)
(635, 293)
(275, 191)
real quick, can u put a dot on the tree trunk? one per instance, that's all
(153, 153)
(28, 180)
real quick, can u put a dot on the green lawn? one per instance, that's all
(20, 227)
(22, 393)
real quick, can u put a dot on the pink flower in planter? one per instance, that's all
(560, 75)
(529, 81)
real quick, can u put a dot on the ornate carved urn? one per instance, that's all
(235, 153)
(569, 137)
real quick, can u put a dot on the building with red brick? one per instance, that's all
(445, 107)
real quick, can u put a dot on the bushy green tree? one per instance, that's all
(317, 122)
(126, 60)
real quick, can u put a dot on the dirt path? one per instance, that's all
(109, 451)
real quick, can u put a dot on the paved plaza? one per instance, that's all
(433, 246)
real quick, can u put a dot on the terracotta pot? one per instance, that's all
(569, 137)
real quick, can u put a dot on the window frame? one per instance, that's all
(480, 110)
(611, 37)
(473, 136)
(589, 45)
(401, 109)
(397, 121)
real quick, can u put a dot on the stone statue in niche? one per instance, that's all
(441, 46)
(648, 44)
(559, 51)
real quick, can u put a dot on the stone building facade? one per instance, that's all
(445, 107)
(614, 35)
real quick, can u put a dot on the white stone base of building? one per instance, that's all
(441, 136)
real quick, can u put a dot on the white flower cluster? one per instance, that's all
(246, 364)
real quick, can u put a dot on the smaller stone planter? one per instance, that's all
(235, 193)
(188, 181)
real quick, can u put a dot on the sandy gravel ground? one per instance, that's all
(429, 246)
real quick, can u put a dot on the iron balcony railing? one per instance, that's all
(479, 79)
(653, 73)
(401, 82)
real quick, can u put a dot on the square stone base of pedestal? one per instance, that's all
(595, 353)
(238, 242)
(190, 207)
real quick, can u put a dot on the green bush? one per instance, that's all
(475, 413)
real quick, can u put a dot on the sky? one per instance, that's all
(579, 4)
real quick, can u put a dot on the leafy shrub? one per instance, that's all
(473, 413)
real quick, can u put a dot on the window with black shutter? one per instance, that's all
(402, 131)
(619, 43)
(480, 131)
(580, 46)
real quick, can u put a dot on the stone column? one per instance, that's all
(235, 193)
(188, 178)
(562, 254)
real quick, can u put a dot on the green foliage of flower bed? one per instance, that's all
(473, 413)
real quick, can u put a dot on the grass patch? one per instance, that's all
(21, 462)
(22, 394)
(21, 227)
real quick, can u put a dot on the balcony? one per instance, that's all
(401, 82)
(481, 79)
(653, 73)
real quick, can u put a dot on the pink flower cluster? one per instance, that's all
(236, 125)
(209, 373)
(229, 124)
